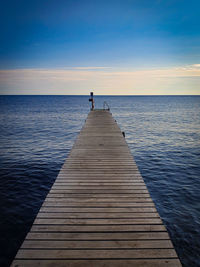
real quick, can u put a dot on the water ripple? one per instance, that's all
(163, 133)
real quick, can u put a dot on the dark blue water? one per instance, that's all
(163, 133)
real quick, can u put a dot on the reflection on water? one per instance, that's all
(163, 133)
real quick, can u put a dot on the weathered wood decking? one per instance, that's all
(99, 212)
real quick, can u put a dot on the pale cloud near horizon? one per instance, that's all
(103, 80)
(89, 68)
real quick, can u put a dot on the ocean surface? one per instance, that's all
(163, 133)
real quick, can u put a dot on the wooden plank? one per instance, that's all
(98, 191)
(98, 236)
(95, 215)
(98, 182)
(100, 199)
(98, 179)
(99, 212)
(99, 195)
(96, 210)
(32, 244)
(99, 228)
(100, 263)
(98, 187)
(95, 221)
(92, 254)
(66, 203)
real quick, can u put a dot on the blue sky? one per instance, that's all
(155, 43)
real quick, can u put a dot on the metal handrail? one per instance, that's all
(104, 106)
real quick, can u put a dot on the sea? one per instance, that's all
(163, 133)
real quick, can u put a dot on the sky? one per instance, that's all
(113, 47)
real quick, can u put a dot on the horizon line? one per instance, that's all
(89, 95)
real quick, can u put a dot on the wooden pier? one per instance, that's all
(99, 212)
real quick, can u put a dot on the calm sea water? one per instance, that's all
(163, 133)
